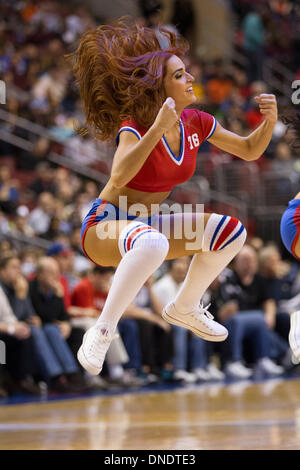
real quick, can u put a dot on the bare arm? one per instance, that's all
(133, 311)
(270, 313)
(253, 146)
(4, 327)
(156, 304)
(132, 153)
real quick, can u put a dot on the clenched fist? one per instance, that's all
(167, 116)
(267, 106)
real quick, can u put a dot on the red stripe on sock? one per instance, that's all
(227, 231)
(134, 233)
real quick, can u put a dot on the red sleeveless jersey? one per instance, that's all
(163, 169)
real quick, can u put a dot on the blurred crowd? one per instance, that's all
(49, 292)
(48, 301)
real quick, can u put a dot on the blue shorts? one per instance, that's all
(102, 211)
(290, 226)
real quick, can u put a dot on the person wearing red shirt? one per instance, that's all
(90, 293)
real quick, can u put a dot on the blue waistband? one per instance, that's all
(112, 212)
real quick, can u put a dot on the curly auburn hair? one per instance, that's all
(292, 121)
(120, 69)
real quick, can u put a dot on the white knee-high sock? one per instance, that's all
(143, 249)
(224, 234)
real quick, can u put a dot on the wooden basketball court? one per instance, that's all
(243, 415)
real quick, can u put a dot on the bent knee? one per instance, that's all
(139, 235)
(223, 231)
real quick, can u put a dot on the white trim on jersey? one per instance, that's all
(127, 128)
(178, 160)
(212, 130)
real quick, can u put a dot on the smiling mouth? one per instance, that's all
(189, 90)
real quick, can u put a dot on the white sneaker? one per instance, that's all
(214, 372)
(294, 334)
(200, 322)
(201, 374)
(270, 367)
(238, 370)
(92, 352)
(185, 376)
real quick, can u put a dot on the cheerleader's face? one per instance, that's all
(178, 83)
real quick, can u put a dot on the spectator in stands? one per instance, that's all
(45, 181)
(249, 314)
(29, 259)
(282, 283)
(66, 186)
(286, 170)
(46, 295)
(219, 85)
(165, 289)
(64, 257)
(56, 224)
(234, 106)
(9, 193)
(29, 161)
(76, 22)
(92, 190)
(83, 150)
(79, 208)
(88, 299)
(51, 353)
(254, 41)
(16, 335)
(50, 88)
(40, 217)
(21, 225)
(184, 17)
(252, 116)
(4, 224)
(256, 243)
(81, 263)
(283, 160)
(6, 246)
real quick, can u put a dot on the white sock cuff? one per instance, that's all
(223, 230)
(138, 234)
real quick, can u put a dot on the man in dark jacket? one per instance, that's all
(50, 353)
(20, 365)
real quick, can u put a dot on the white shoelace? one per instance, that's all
(98, 346)
(204, 310)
